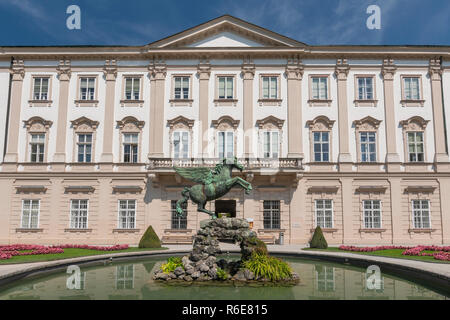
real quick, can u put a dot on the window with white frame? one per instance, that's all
(125, 276)
(321, 146)
(127, 214)
(181, 88)
(79, 214)
(37, 147)
(368, 146)
(421, 214)
(365, 88)
(411, 87)
(270, 144)
(30, 214)
(84, 147)
(271, 214)
(372, 214)
(325, 279)
(324, 213)
(225, 144)
(178, 222)
(270, 87)
(40, 88)
(87, 88)
(180, 144)
(130, 147)
(319, 88)
(226, 87)
(415, 146)
(132, 88)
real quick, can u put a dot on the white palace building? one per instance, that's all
(350, 138)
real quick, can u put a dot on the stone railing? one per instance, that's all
(249, 164)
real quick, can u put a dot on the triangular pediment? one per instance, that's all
(226, 32)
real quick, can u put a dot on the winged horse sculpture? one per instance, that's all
(212, 184)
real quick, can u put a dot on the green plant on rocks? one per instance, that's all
(318, 241)
(172, 264)
(222, 274)
(265, 266)
(149, 239)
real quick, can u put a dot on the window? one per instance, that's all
(368, 146)
(270, 144)
(30, 214)
(180, 144)
(87, 88)
(78, 214)
(372, 214)
(271, 214)
(415, 147)
(321, 146)
(127, 214)
(365, 88)
(324, 213)
(411, 88)
(421, 214)
(325, 279)
(270, 87)
(226, 144)
(125, 276)
(178, 222)
(40, 88)
(181, 88)
(319, 88)
(130, 147)
(84, 147)
(132, 88)
(37, 147)
(226, 87)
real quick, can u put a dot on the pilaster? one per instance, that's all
(157, 74)
(110, 74)
(248, 74)
(294, 75)
(204, 73)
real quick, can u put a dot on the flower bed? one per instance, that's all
(441, 253)
(8, 251)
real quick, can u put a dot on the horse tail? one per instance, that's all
(185, 194)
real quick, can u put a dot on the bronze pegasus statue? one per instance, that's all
(213, 184)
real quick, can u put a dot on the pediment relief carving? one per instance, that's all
(84, 124)
(180, 122)
(130, 124)
(320, 123)
(415, 123)
(37, 124)
(270, 122)
(225, 122)
(366, 124)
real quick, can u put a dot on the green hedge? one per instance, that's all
(149, 239)
(318, 241)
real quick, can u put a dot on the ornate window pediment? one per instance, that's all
(225, 123)
(416, 123)
(270, 122)
(180, 122)
(130, 124)
(320, 123)
(367, 124)
(37, 124)
(84, 124)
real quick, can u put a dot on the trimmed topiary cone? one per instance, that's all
(149, 239)
(318, 241)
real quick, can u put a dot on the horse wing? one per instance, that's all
(199, 175)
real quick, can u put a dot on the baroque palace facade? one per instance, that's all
(350, 138)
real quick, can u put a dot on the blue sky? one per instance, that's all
(138, 22)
